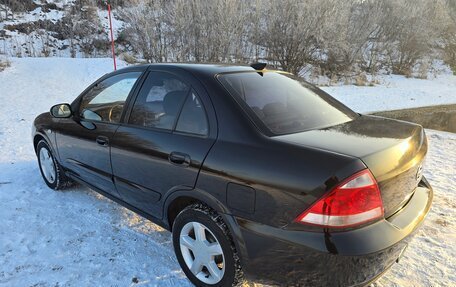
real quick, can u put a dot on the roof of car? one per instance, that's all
(208, 69)
(212, 68)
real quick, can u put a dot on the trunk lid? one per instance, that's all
(392, 150)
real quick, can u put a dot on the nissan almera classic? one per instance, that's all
(258, 174)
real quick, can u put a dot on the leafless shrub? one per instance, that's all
(4, 63)
(408, 33)
(361, 80)
(130, 59)
(200, 31)
(423, 69)
(448, 34)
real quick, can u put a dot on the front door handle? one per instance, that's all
(179, 158)
(102, 140)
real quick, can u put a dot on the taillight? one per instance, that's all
(355, 201)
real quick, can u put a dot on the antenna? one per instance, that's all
(258, 66)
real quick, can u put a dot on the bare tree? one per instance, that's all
(406, 32)
(448, 34)
(287, 33)
(146, 29)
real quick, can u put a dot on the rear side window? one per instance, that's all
(192, 118)
(159, 101)
(282, 103)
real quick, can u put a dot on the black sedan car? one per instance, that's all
(258, 174)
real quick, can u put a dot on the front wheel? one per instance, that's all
(205, 249)
(50, 169)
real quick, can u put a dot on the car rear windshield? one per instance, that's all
(284, 104)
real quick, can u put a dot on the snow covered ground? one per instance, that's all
(398, 92)
(79, 238)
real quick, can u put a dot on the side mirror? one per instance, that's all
(61, 111)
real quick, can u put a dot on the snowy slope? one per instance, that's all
(35, 15)
(398, 92)
(79, 238)
(38, 42)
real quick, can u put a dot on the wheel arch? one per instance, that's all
(180, 199)
(37, 138)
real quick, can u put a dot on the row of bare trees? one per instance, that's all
(337, 37)
(332, 37)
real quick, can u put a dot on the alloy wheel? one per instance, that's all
(47, 165)
(202, 252)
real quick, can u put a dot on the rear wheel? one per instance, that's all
(205, 249)
(50, 169)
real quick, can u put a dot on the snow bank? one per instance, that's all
(397, 92)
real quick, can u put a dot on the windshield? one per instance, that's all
(282, 103)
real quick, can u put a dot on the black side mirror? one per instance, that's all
(61, 111)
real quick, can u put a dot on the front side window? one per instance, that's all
(106, 100)
(159, 101)
(284, 104)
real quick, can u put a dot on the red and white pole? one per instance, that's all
(112, 38)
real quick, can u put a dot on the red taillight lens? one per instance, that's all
(356, 200)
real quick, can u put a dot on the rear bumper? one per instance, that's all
(357, 257)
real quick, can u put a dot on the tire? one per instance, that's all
(51, 171)
(195, 217)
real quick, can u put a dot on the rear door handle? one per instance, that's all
(102, 140)
(179, 158)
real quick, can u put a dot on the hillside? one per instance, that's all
(338, 41)
(56, 29)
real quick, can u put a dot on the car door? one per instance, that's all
(83, 141)
(160, 148)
